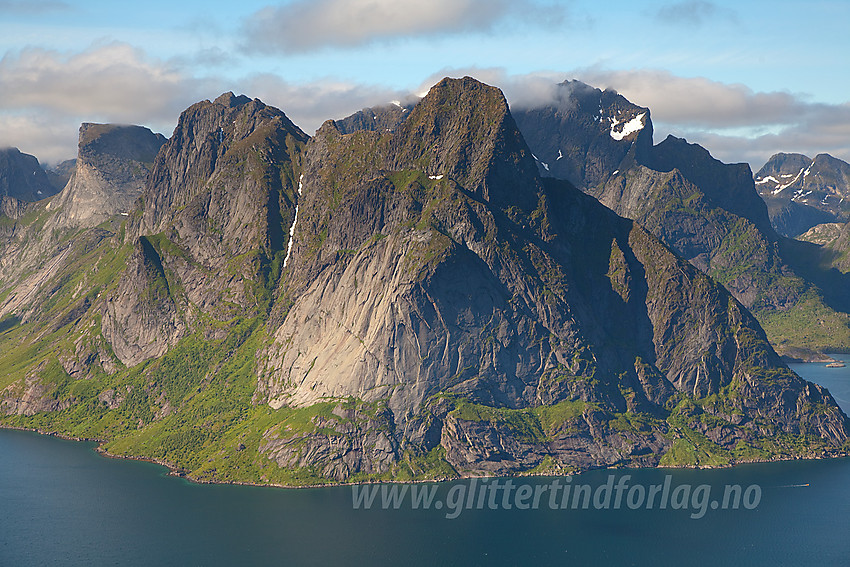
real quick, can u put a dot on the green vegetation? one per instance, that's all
(810, 324)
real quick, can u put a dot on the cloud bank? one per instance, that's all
(732, 121)
(47, 94)
(308, 25)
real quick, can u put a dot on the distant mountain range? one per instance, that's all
(802, 192)
(414, 292)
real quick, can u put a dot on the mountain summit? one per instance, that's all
(111, 169)
(802, 192)
(407, 302)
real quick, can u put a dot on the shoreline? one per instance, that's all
(182, 473)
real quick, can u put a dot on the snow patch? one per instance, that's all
(294, 220)
(616, 171)
(630, 127)
(560, 155)
(545, 165)
(437, 177)
(781, 187)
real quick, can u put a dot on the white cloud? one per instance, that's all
(827, 131)
(522, 90)
(112, 80)
(47, 94)
(307, 25)
(697, 101)
(49, 137)
(732, 121)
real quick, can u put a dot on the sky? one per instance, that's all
(746, 79)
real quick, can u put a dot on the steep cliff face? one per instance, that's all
(707, 211)
(111, 169)
(213, 219)
(471, 303)
(411, 303)
(835, 240)
(21, 177)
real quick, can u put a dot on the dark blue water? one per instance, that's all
(837, 380)
(62, 504)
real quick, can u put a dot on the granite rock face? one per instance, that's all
(110, 171)
(212, 218)
(432, 263)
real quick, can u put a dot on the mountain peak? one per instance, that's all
(802, 192)
(466, 130)
(131, 142)
(113, 161)
(230, 100)
(582, 133)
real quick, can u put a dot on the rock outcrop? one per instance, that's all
(110, 172)
(213, 218)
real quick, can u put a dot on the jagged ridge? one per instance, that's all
(443, 310)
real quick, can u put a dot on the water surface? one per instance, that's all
(62, 504)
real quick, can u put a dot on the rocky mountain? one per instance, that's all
(408, 302)
(822, 233)
(802, 192)
(59, 174)
(109, 173)
(584, 134)
(212, 225)
(22, 177)
(707, 211)
(378, 118)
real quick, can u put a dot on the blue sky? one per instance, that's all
(745, 79)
